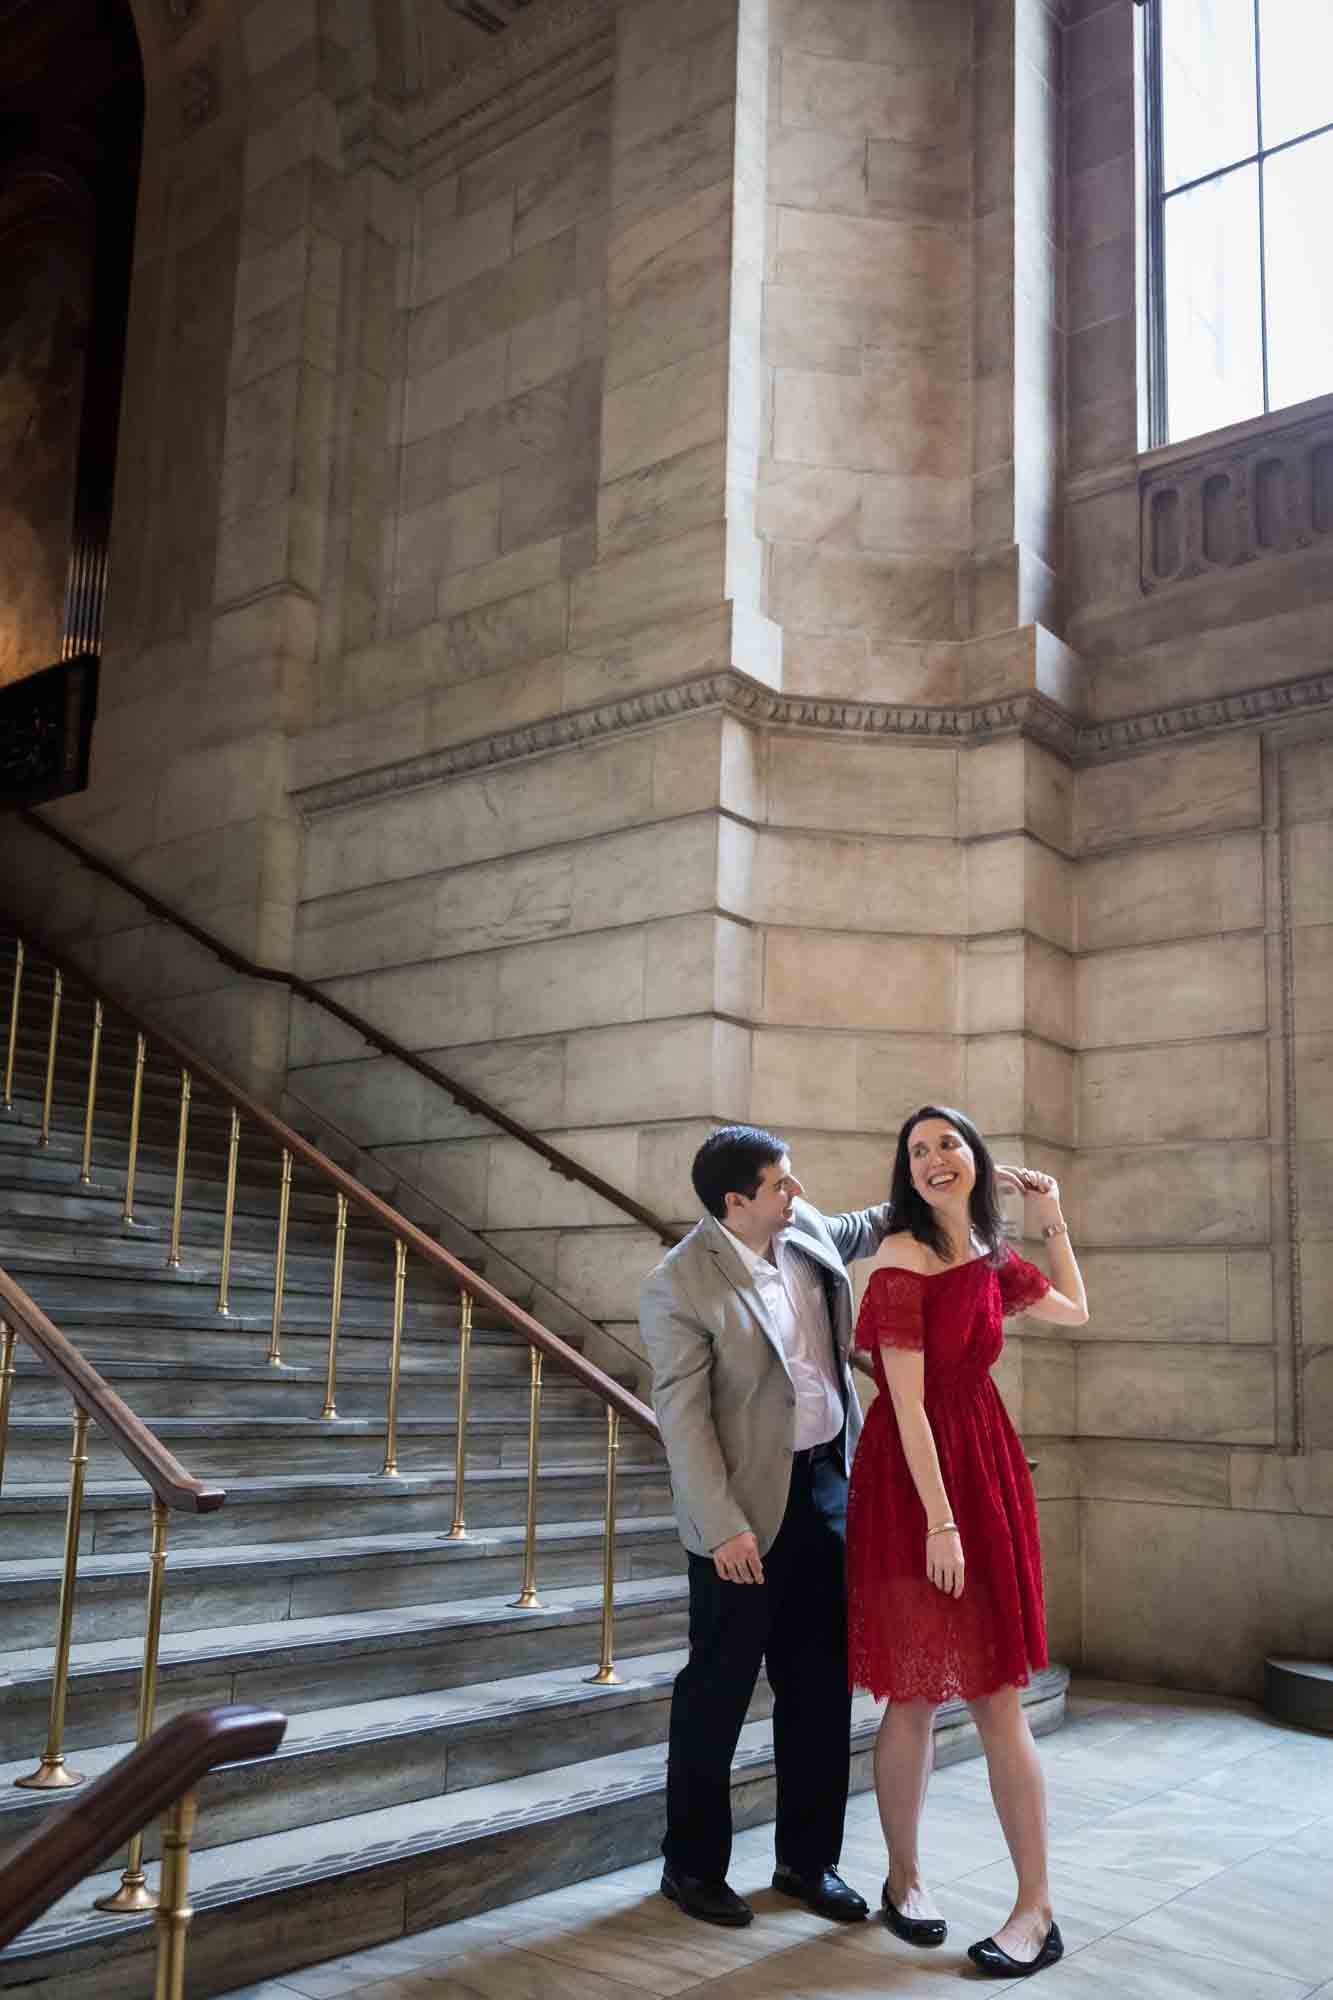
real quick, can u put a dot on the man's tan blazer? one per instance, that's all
(721, 1386)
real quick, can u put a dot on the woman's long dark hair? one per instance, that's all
(909, 1211)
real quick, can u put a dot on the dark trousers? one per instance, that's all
(795, 1623)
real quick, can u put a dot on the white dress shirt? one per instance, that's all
(794, 1298)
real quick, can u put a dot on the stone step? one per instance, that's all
(254, 1222)
(33, 1246)
(188, 1295)
(306, 1508)
(271, 1581)
(156, 1389)
(207, 1146)
(242, 1343)
(223, 1449)
(23, 1166)
(299, 1665)
(1300, 1692)
(284, 1900)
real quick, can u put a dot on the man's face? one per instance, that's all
(769, 1208)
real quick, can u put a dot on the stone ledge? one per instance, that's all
(1029, 715)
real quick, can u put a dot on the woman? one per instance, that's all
(944, 1564)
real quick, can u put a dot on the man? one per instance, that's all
(748, 1326)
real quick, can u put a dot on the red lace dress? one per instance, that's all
(907, 1639)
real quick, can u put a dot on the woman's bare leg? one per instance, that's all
(1018, 1787)
(903, 1754)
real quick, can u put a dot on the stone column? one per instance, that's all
(676, 584)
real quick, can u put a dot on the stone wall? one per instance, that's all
(635, 569)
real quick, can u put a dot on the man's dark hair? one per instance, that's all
(731, 1161)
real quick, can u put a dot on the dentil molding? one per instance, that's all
(1028, 715)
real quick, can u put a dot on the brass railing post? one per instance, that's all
(527, 1599)
(134, 1893)
(280, 1261)
(389, 1469)
(178, 1200)
(459, 1529)
(173, 1908)
(44, 1137)
(53, 1774)
(229, 1212)
(13, 1023)
(606, 1675)
(86, 1168)
(330, 1409)
(8, 1341)
(136, 1109)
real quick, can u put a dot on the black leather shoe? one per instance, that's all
(826, 1894)
(926, 1932)
(997, 1964)
(711, 1902)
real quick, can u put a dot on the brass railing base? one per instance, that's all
(52, 1775)
(132, 1898)
(528, 1600)
(458, 1533)
(605, 1677)
(328, 1414)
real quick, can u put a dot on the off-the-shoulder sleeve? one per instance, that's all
(892, 1311)
(1021, 1284)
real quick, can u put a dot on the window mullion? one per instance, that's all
(1263, 248)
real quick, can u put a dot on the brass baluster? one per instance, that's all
(136, 1108)
(280, 1262)
(53, 1774)
(389, 1469)
(527, 1599)
(13, 1023)
(459, 1529)
(330, 1409)
(44, 1138)
(606, 1675)
(178, 1201)
(8, 1340)
(229, 1212)
(173, 1909)
(86, 1169)
(134, 1893)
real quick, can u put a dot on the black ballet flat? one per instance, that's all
(988, 1957)
(926, 1932)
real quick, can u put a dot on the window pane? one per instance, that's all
(1214, 354)
(1296, 59)
(1209, 116)
(1300, 273)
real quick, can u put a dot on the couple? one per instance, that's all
(932, 1562)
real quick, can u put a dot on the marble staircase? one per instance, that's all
(446, 1751)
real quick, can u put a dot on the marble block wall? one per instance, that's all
(633, 566)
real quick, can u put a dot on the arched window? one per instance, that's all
(1240, 177)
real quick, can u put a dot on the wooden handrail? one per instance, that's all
(124, 1799)
(620, 1399)
(560, 1163)
(172, 1484)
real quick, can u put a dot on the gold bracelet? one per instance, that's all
(944, 1528)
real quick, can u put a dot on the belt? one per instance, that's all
(812, 1453)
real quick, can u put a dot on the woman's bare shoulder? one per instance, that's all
(901, 1252)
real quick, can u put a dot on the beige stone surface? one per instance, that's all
(1186, 1393)
(1178, 1295)
(1172, 992)
(1139, 895)
(1205, 1193)
(893, 983)
(898, 789)
(850, 882)
(1185, 1091)
(1254, 1587)
(1180, 790)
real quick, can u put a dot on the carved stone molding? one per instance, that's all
(548, 55)
(1029, 715)
(1258, 497)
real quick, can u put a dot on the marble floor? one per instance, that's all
(1192, 1843)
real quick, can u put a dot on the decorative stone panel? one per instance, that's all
(1265, 496)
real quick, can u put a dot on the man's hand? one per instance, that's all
(737, 1561)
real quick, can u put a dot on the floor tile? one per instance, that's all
(1266, 1914)
(1116, 1969)
(1184, 1833)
